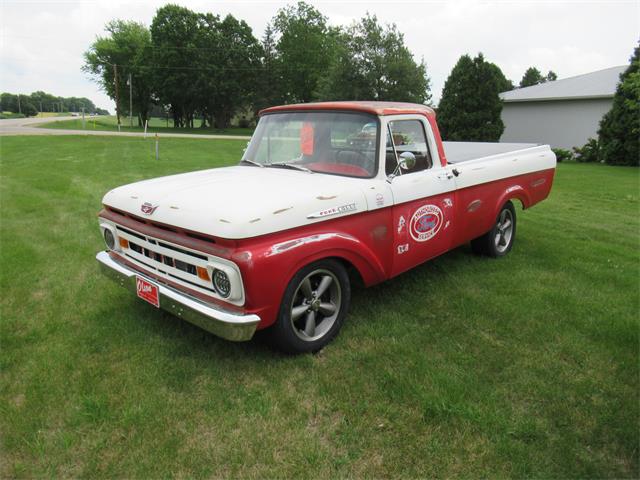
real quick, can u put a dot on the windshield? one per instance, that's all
(324, 142)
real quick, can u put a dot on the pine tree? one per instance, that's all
(620, 127)
(470, 106)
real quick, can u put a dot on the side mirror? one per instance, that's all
(407, 161)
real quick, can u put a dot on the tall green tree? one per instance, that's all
(373, 63)
(619, 132)
(470, 106)
(305, 48)
(268, 90)
(237, 56)
(178, 62)
(125, 50)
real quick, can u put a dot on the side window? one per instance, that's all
(407, 136)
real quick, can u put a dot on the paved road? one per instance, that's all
(26, 126)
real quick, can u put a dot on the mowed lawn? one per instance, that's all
(156, 125)
(466, 366)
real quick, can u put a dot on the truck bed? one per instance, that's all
(458, 152)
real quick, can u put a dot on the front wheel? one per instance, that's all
(498, 241)
(313, 308)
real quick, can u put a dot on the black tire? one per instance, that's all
(298, 330)
(498, 241)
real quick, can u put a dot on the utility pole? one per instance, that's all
(19, 109)
(130, 102)
(115, 75)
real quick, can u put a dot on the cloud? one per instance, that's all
(42, 42)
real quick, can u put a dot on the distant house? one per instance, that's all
(564, 113)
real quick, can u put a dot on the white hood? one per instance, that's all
(242, 201)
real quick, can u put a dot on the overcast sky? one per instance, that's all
(43, 41)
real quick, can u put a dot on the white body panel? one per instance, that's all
(242, 201)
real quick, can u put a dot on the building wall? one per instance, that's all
(559, 123)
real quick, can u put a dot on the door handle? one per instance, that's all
(445, 176)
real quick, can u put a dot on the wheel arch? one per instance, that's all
(514, 193)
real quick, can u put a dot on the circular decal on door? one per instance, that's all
(425, 223)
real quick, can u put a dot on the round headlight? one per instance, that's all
(109, 239)
(221, 283)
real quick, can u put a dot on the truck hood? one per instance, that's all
(241, 201)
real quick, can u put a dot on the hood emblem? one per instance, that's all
(148, 208)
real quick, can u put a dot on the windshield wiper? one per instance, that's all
(252, 162)
(292, 166)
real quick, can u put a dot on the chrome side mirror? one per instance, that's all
(406, 161)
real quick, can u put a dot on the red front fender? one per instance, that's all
(267, 265)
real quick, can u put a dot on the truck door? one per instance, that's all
(423, 195)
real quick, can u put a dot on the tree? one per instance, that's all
(619, 131)
(8, 103)
(268, 90)
(126, 49)
(305, 50)
(533, 77)
(470, 106)
(179, 65)
(237, 55)
(373, 63)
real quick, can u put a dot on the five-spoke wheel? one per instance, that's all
(504, 230)
(499, 240)
(313, 307)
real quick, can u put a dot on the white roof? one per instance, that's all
(600, 84)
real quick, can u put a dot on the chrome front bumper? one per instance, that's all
(223, 323)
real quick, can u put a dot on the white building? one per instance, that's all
(564, 113)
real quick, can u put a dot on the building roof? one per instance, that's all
(376, 108)
(600, 84)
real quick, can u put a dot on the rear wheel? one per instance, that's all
(498, 241)
(313, 308)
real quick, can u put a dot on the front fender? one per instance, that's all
(268, 268)
(305, 250)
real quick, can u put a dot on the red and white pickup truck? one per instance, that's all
(325, 193)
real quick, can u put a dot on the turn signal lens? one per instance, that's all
(203, 274)
(124, 243)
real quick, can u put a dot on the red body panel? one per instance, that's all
(369, 241)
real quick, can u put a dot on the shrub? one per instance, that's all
(563, 154)
(589, 152)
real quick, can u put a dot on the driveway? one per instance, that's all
(26, 126)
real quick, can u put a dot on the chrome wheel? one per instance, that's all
(315, 305)
(503, 231)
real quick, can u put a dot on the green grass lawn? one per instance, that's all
(156, 125)
(463, 367)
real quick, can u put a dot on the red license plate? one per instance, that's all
(148, 291)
